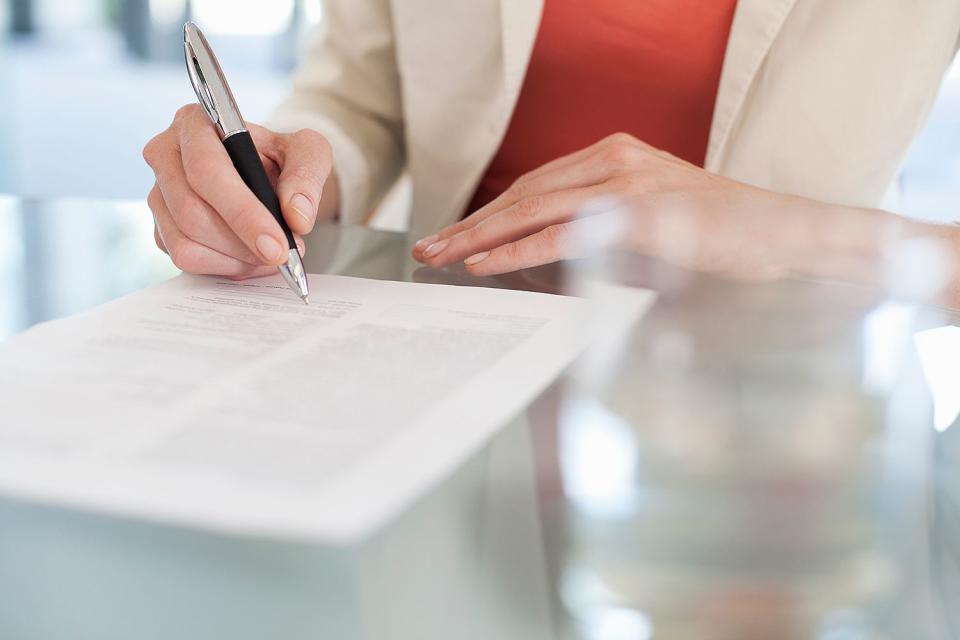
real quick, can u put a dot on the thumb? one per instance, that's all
(304, 167)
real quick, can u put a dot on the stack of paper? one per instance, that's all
(231, 405)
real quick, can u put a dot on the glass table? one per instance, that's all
(762, 461)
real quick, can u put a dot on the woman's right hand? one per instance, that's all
(205, 217)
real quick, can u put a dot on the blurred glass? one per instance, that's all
(61, 257)
(751, 461)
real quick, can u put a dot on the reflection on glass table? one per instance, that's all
(762, 462)
(774, 460)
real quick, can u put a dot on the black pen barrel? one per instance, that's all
(247, 161)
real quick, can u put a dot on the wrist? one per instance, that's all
(899, 256)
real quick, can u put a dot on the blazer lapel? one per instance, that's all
(520, 21)
(755, 27)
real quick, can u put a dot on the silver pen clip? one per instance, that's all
(208, 82)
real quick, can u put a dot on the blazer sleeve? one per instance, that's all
(348, 89)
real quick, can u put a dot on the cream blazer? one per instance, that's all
(819, 98)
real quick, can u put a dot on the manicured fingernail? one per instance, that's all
(269, 248)
(477, 257)
(426, 242)
(302, 205)
(435, 248)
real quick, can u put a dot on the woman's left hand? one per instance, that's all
(668, 208)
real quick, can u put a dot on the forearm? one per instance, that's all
(903, 256)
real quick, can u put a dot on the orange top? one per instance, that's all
(650, 68)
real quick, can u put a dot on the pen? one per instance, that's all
(217, 100)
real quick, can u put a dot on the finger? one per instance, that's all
(195, 218)
(568, 172)
(153, 196)
(306, 163)
(550, 176)
(154, 203)
(526, 217)
(194, 257)
(546, 246)
(211, 175)
(157, 239)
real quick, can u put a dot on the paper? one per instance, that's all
(233, 406)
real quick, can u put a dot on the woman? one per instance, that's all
(769, 128)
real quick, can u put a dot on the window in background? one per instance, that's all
(166, 13)
(65, 16)
(257, 18)
(929, 183)
(11, 265)
(8, 167)
(312, 12)
(116, 66)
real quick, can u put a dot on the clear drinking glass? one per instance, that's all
(746, 461)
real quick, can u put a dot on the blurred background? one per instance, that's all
(89, 81)
(85, 83)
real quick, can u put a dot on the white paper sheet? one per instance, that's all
(233, 406)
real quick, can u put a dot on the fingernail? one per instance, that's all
(477, 257)
(301, 246)
(302, 205)
(435, 248)
(426, 242)
(269, 248)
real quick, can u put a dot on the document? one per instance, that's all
(233, 406)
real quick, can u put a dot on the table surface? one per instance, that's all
(762, 460)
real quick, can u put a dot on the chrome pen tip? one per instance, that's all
(292, 271)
